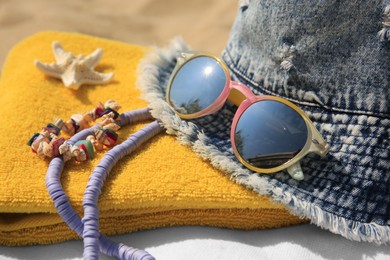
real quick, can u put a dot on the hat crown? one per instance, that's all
(328, 53)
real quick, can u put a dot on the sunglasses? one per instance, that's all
(268, 133)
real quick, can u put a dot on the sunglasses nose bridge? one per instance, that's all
(243, 89)
(239, 92)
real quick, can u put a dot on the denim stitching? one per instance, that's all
(330, 109)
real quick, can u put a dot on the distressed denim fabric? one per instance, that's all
(331, 59)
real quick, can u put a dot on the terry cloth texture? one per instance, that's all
(162, 184)
(317, 55)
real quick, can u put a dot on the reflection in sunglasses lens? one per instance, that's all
(270, 133)
(197, 84)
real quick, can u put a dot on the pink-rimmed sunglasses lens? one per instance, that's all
(269, 134)
(197, 85)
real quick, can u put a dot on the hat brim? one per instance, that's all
(345, 192)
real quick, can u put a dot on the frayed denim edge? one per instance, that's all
(188, 133)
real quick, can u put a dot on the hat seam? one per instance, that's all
(354, 153)
(356, 119)
(354, 164)
(358, 145)
(233, 67)
(364, 136)
(349, 124)
(326, 179)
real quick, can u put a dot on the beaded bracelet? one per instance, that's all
(47, 143)
(88, 228)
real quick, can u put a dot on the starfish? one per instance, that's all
(74, 70)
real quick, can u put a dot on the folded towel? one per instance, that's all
(162, 184)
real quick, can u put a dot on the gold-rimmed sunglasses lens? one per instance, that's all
(196, 85)
(269, 134)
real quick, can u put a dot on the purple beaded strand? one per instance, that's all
(93, 240)
(95, 184)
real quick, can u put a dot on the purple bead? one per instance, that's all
(88, 228)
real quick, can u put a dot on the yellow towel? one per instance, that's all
(162, 184)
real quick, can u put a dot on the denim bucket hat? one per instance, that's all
(330, 58)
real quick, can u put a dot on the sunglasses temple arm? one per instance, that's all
(318, 144)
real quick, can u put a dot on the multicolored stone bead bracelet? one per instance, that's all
(88, 227)
(47, 143)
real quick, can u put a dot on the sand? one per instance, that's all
(204, 24)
